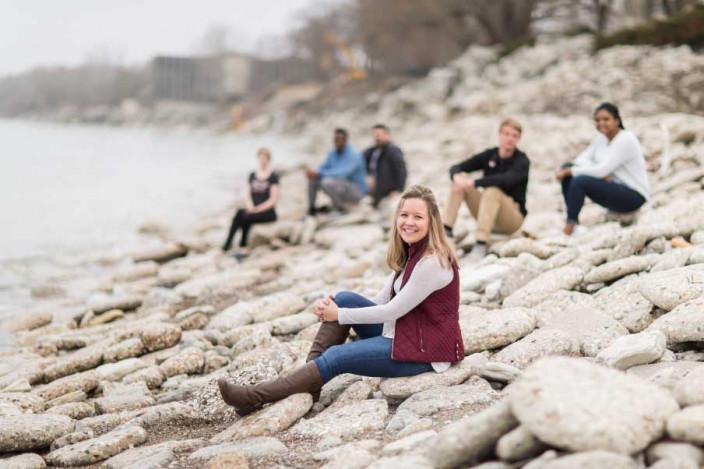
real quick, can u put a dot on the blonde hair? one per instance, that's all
(265, 152)
(513, 123)
(438, 244)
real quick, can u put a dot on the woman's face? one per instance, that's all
(605, 122)
(413, 220)
(263, 160)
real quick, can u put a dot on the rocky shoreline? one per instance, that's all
(582, 352)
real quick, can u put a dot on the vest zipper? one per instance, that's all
(420, 334)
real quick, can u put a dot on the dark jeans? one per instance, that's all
(611, 195)
(369, 356)
(244, 221)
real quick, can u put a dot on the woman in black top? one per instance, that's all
(261, 200)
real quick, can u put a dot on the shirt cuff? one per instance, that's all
(342, 317)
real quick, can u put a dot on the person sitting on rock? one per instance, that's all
(341, 176)
(611, 171)
(385, 166)
(410, 326)
(261, 201)
(497, 200)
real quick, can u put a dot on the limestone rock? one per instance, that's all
(669, 450)
(496, 328)
(113, 404)
(28, 431)
(592, 460)
(81, 360)
(634, 349)
(161, 254)
(537, 290)
(469, 439)
(407, 444)
(101, 304)
(499, 372)
(665, 374)
(517, 246)
(519, 444)
(537, 344)
(573, 404)
(687, 425)
(671, 288)
(258, 447)
(690, 390)
(23, 461)
(117, 371)
(293, 324)
(85, 382)
(189, 361)
(475, 395)
(401, 388)
(126, 349)
(623, 301)
(592, 329)
(146, 457)
(268, 421)
(151, 376)
(347, 422)
(75, 410)
(682, 324)
(158, 336)
(616, 269)
(97, 449)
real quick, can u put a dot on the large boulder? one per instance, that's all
(28, 431)
(490, 329)
(576, 405)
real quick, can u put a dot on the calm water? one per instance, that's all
(70, 189)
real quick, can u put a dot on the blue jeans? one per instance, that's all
(369, 356)
(611, 195)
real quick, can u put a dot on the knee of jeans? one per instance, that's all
(581, 180)
(345, 299)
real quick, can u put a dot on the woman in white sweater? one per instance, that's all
(611, 171)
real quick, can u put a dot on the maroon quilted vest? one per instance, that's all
(430, 332)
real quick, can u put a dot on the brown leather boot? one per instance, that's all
(247, 399)
(329, 334)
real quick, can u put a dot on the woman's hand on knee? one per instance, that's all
(327, 310)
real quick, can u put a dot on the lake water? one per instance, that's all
(74, 189)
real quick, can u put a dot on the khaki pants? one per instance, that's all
(492, 208)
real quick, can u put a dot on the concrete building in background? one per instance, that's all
(221, 79)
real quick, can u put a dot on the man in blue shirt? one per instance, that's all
(341, 176)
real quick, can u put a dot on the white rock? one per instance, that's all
(687, 425)
(573, 404)
(682, 324)
(690, 390)
(537, 344)
(634, 349)
(485, 330)
(671, 288)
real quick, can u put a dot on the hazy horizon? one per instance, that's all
(38, 33)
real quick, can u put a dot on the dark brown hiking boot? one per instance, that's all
(247, 399)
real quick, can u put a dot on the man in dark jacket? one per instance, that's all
(501, 205)
(385, 165)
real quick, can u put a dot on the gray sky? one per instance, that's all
(51, 32)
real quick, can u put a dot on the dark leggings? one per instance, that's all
(244, 221)
(611, 195)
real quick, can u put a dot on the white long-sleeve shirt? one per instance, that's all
(428, 276)
(622, 158)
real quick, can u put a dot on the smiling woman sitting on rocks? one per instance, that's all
(410, 327)
(611, 171)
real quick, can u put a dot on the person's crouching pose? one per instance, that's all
(410, 327)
